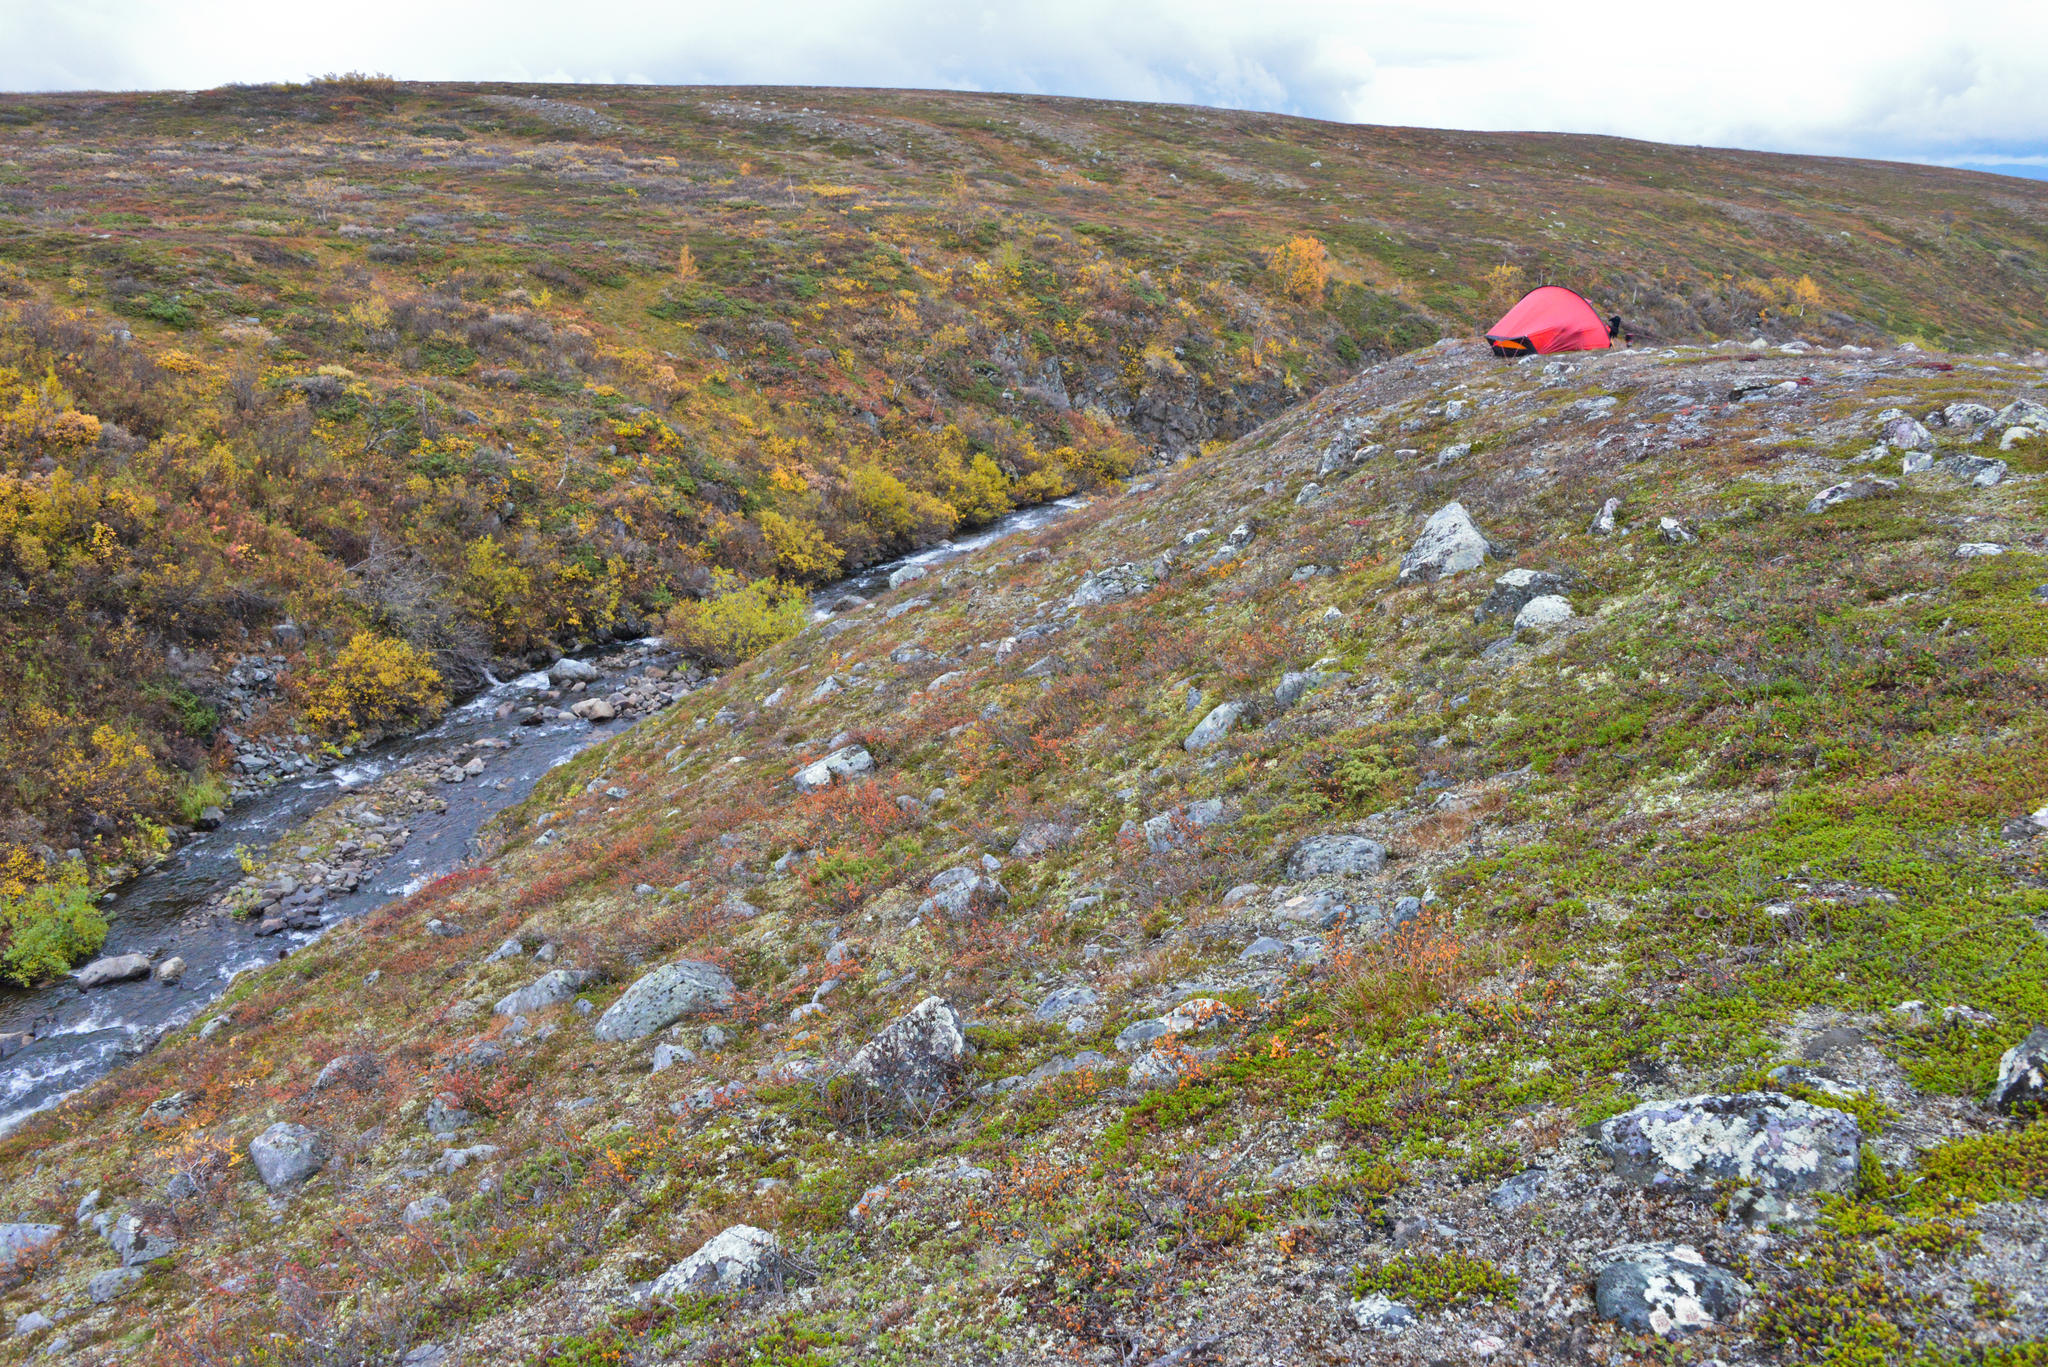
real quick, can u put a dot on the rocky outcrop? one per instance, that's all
(1337, 855)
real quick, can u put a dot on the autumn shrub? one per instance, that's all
(1302, 266)
(376, 683)
(739, 621)
(49, 926)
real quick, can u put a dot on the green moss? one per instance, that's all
(1431, 1281)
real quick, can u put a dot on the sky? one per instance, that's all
(1957, 82)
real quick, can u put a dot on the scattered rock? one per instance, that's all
(22, 1237)
(1520, 1190)
(1041, 838)
(593, 709)
(1065, 1003)
(170, 971)
(568, 671)
(287, 1154)
(1757, 1139)
(1675, 533)
(664, 996)
(445, 1114)
(1109, 585)
(738, 1258)
(907, 574)
(357, 1071)
(1154, 1072)
(137, 1240)
(1603, 521)
(1904, 434)
(1450, 544)
(1665, 1289)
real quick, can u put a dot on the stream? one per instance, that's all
(82, 1034)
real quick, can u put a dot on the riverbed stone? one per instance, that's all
(115, 968)
(1762, 1140)
(663, 997)
(287, 1154)
(568, 671)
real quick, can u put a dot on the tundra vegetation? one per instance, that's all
(1427, 1005)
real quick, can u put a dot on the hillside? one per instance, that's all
(317, 400)
(1523, 863)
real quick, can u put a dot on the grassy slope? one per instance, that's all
(538, 431)
(1754, 791)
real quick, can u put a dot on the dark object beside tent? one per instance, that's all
(1549, 318)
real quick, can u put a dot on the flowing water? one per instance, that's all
(81, 1035)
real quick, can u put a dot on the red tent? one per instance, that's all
(1549, 318)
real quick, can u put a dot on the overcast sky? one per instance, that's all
(1963, 82)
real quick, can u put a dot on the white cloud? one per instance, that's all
(1963, 80)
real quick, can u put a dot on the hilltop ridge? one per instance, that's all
(477, 373)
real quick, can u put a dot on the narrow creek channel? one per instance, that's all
(81, 1034)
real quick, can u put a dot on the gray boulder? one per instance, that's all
(139, 1241)
(1665, 1289)
(848, 761)
(1153, 1072)
(659, 999)
(1966, 414)
(549, 989)
(1450, 544)
(1850, 490)
(1905, 434)
(1603, 521)
(915, 1056)
(2022, 1086)
(1065, 1003)
(111, 1284)
(2024, 413)
(1544, 611)
(445, 1114)
(425, 1209)
(1515, 589)
(34, 1322)
(1339, 855)
(349, 1070)
(568, 671)
(22, 1237)
(1756, 1139)
(115, 968)
(1213, 727)
(907, 574)
(1042, 837)
(1979, 471)
(1169, 830)
(287, 1154)
(956, 892)
(738, 1258)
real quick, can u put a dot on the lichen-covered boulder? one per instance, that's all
(1850, 490)
(915, 1057)
(1513, 590)
(1666, 1289)
(287, 1154)
(738, 1258)
(2022, 1087)
(1451, 543)
(1762, 1140)
(848, 761)
(19, 1237)
(663, 997)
